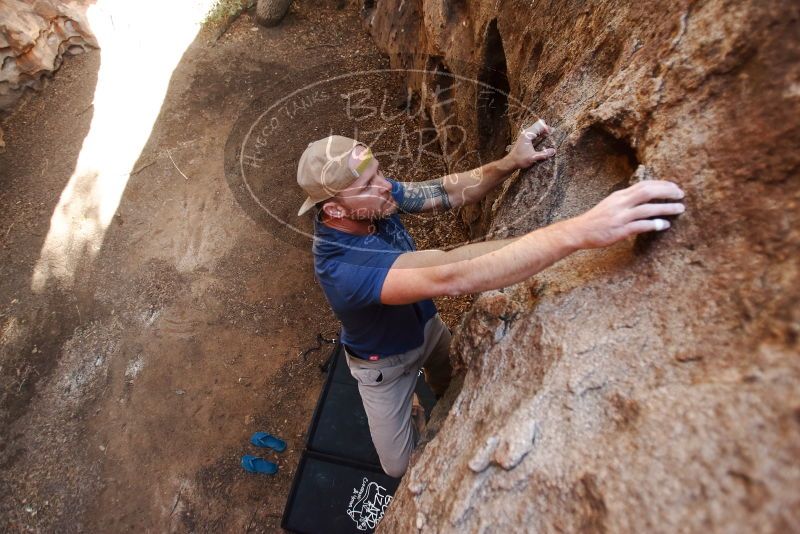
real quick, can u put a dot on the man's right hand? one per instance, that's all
(494, 264)
(626, 213)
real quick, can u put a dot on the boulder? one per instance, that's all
(653, 385)
(34, 38)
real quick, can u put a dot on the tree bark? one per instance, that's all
(271, 12)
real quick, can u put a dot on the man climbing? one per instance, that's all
(379, 286)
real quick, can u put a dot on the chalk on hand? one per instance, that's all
(536, 129)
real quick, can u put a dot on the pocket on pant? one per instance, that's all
(377, 377)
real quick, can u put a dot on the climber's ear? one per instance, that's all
(333, 209)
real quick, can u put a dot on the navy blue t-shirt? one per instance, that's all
(351, 270)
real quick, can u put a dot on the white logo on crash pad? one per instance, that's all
(368, 504)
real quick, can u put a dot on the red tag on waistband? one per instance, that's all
(374, 358)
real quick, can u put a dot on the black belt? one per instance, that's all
(370, 358)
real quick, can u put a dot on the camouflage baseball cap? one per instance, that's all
(324, 168)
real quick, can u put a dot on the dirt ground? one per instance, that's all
(128, 399)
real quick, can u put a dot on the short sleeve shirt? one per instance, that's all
(351, 270)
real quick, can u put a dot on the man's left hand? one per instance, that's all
(522, 154)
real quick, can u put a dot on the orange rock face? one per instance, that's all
(34, 37)
(653, 385)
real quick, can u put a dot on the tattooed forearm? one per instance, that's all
(424, 196)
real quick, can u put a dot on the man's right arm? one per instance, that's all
(489, 265)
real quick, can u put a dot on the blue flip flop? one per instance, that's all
(254, 464)
(262, 439)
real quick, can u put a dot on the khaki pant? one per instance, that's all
(387, 386)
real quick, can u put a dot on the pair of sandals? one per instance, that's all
(254, 464)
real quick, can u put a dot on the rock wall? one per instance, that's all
(654, 385)
(34, 37)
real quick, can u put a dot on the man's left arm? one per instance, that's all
(471, 186)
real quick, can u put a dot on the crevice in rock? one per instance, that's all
(492, 105)
(590, 164)
(599, 164)
(535, 56)
(493, 128)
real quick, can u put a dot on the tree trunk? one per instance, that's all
(271, 12)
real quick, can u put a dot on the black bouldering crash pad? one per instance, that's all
(339, 486)
(335, 496)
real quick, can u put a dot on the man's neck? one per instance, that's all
(349, 226)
